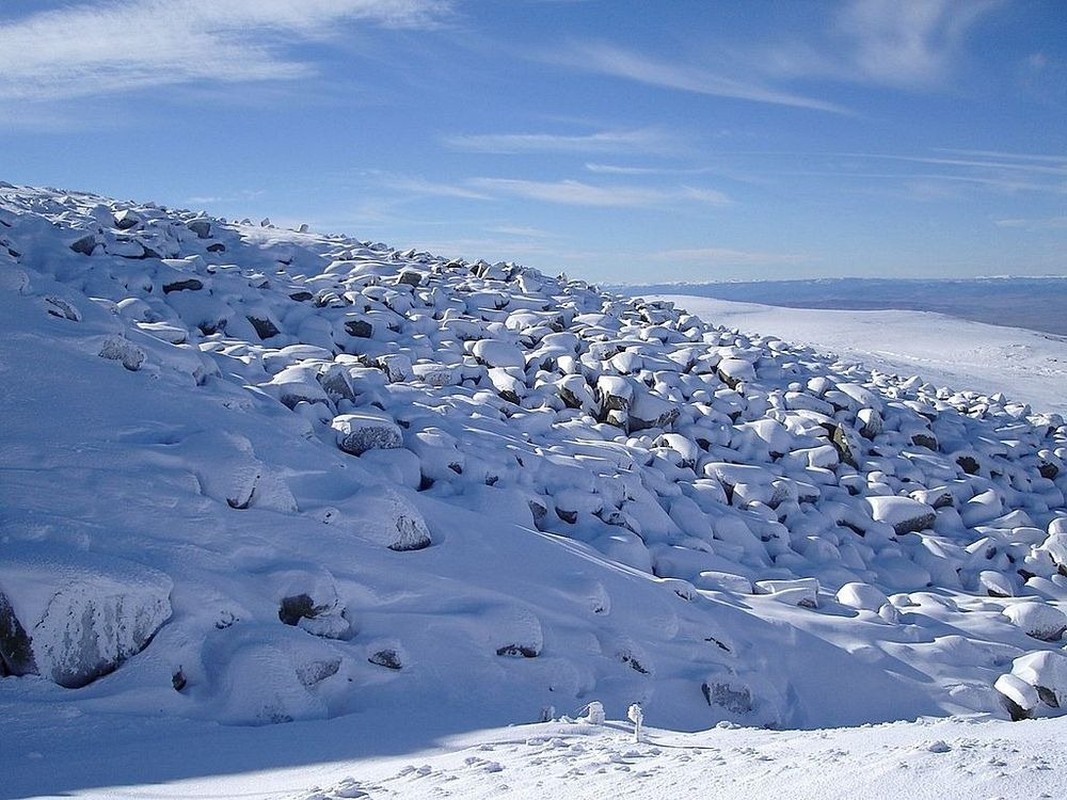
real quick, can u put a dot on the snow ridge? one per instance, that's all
(359, 478)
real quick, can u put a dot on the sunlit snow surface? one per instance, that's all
(1029, 365)
(183, 401)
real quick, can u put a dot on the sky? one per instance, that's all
(619, 141)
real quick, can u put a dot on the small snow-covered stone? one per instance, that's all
(389, 519)
(905, 514)
(366, 430)
(996, 584)
(723, 582)
(798, 592)
(117, 348)
(862, 596)
(494, 353)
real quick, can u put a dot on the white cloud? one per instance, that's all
(610, 60)
(645, 140)
(1048, 224)
(908, 43)
(107, 48)
(421, 186)
(576, 193)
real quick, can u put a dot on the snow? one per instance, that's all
(1029, 365)
(355, 509)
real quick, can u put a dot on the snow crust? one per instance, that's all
(346, 482)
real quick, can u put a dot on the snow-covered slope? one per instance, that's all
(253, 475)
(1029, 365)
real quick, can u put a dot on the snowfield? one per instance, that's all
(290, 514)
(1029, 364)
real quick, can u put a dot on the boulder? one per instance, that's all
(1046, 671)
(73, 617)
(366, 430)
(905, 514)
(116, 348)
(391, 520)
(1038, 619)
(861, 596)
(802, 592)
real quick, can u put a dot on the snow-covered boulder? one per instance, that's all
(1020, 698)
(367, 429)
(905, 514)
(72, 617)
(802, 592)
(389, 519)
(1038, 619)
(861, 596)
(495, 353)
(1046, 671)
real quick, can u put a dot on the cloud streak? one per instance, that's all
(908, 43)
(576, 193)
(607, 59)
(901, 44)
(93, 50)
(643, 140)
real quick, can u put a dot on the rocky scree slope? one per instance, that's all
(269, 475)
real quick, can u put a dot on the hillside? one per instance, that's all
(255, 475)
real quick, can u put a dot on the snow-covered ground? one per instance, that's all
(1031, 366)
(282, 510)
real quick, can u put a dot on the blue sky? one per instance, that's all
(616, 140)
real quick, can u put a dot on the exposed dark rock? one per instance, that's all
(126, 219)
(359, 328)
(216, 247)
(58, 307)
(85, 245)
(1015, 711)
(201, 227)
(629, 660)
(184, 285)
(294, 607)
(387, 658)
(518, 651)
(736, 700)
(265, 329)
(16, 650)
(846, 444)
(924, 439)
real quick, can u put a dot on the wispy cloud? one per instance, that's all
(908, 43)
(607, 59)
(522, 231)
(643, 140)
(423, 187)
(1047, 224)
(576, 193)
(109, 48)
(903, 44)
